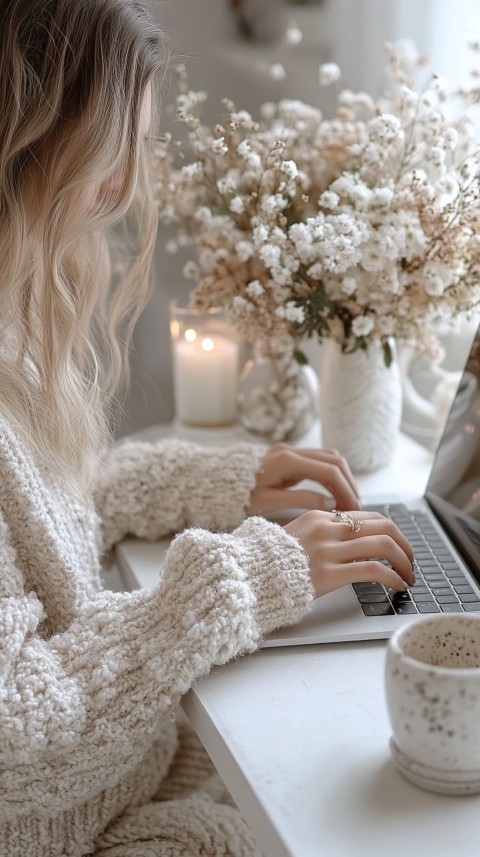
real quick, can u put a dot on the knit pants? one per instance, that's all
(192, 815)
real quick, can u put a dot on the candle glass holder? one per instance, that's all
(205, 365)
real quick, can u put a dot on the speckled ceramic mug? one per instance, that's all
(432, 680)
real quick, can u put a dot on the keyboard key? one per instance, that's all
(442, 589)
(367, 587)
(457, 581)
(384, 609)
(405, 607)
(427, 607)
(473, 607)
(451, 608)
(372, 597)
(454, 574)
(447, 599)
(468, 598)
(398, 596)
(422, 596)
(464, 589)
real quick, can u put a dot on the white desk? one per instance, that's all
(300, 735)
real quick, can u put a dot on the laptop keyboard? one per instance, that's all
(440, 584)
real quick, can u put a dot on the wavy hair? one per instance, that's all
(73, 79)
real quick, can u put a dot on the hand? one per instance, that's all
(285, 466)
(339, 556)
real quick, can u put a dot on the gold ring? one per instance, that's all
(353, 522)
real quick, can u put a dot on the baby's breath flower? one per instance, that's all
(260, 234)
(207, 260)
(329, 199)
(241, 303)
(328, 73)
(434, 286)
(293, 34)
(219, 146)
(244, 250)
(193, 171)
(226, 184)
(277, 71)
(294, 313)
(450, 138)
(362, 325)
(254, 289)
(289, 168)
(348, 286)
(270, 255)
(382, 196)
(386, 129)
(273, 203)
(237, 205)
(268, 110)
(191, 271)
(242, 118)
(203, 214)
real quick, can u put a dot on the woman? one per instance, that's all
(90, 759)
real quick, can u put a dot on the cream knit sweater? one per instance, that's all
(90, 679)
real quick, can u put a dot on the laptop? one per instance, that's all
(443, 527)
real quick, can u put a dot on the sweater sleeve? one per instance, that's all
(83, 706)
(150, 490)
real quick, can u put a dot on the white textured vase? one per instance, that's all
(360, 405)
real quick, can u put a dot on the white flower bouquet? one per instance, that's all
(361, 227)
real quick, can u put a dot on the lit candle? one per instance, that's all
(205, 374)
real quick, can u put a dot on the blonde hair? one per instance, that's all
(73, 78)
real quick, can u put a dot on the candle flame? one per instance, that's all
(208, 344)
(190, 334)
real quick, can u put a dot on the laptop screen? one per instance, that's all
(453, 490)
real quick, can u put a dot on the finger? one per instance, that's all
(376, 547)
(332, 456)
(304, 456)
(377, 526)
(364, 516)
(335, 575)
(326, 473)
(274, 499)
(369, 570)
